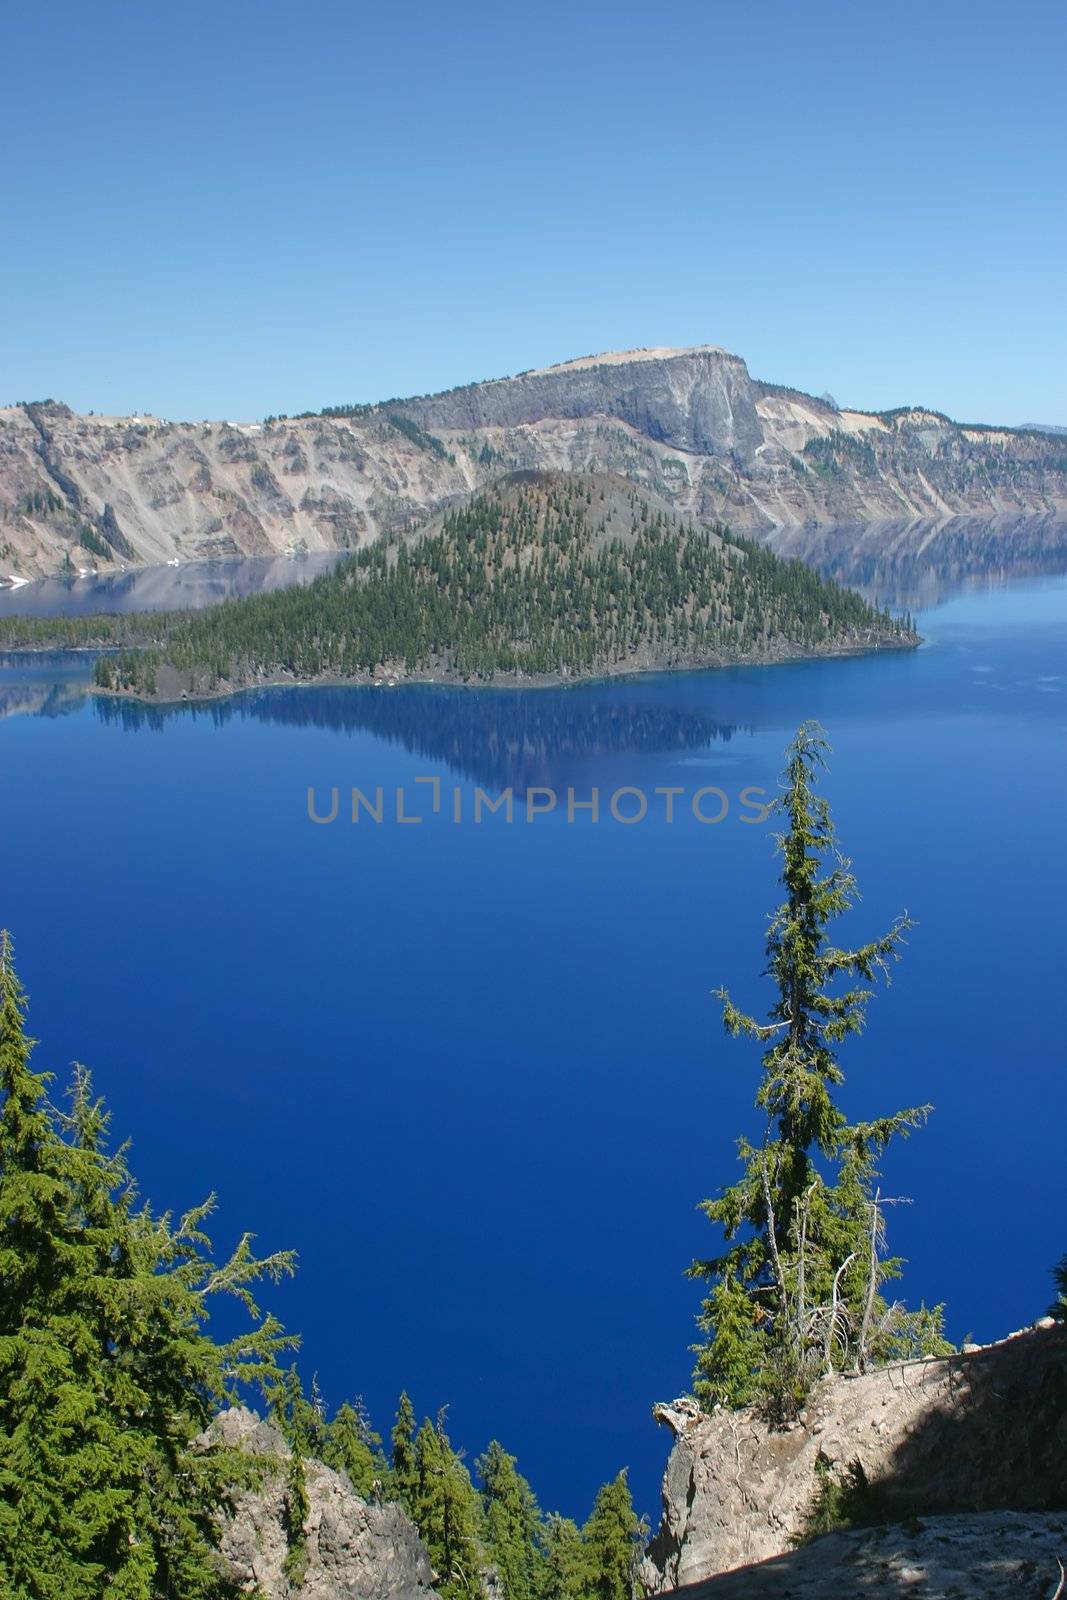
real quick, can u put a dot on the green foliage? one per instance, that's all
(405, 1475)
(297, 1509)
(737, 1348)
(531, 578)
(447, 1513)
(612, 1537)
(847, 1502)
(350, 1445)
(40, 503)
(1058, 1308)
(425, 441)
(512, 1529)
(834, 454)
(565, 1564)
(91, 540)
(798, 1291)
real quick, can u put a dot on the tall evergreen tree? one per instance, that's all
(564, 1572)
(107, 1376)
(612, 1540)
(511, 1525)
(446, 1512)
(798, 1291)
(350, 1445)
(402, 1442)
(301, 1421)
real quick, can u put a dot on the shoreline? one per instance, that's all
(444, 678)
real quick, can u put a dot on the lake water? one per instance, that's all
(474, 1072)
(188, 587)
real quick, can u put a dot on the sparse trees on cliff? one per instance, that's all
(352, 1446)
(798, 1291)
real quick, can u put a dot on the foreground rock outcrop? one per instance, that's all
(692, 425)
(355, 1551)
(985, 1430)
(991, 1555)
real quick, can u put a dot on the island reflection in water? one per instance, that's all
(498, 738)
(501, 737)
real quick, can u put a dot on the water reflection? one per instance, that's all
(494, 737)
(43, 683)
(920, 564)
(189, 587)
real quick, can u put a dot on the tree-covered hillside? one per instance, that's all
(544, 575)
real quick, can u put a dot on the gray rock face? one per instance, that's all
(690, 425)
(698, 400)
(976, 1432)
(355, 1551)
(988, 1556)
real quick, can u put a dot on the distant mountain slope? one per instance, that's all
(692, 425)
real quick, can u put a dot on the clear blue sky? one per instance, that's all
(234, 208)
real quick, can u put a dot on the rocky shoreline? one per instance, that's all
(177, 687)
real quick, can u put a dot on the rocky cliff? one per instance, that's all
(355, 1551)
(693, 425)
(982, 1431)
(700, 401)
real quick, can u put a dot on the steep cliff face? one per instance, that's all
(94, 492)
(355, 1551)
(986, 1430)
(692, 425)
(702, 401)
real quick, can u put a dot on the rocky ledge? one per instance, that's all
(988, 1556)
(355, 1551)
(980, 1431)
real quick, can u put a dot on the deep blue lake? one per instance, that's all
(473, 1072)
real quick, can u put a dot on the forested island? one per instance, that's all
(545, 577)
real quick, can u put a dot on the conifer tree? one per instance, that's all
(512, 1525)
(446, 1512)
(612, 1540)
(301, 1421)
(798, 1291)
(564, 1571)
(350, 1445)
(402, 1441)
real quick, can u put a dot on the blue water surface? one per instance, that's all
(474, 1073)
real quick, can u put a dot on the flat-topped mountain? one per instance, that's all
(701, 401)
(692, 425)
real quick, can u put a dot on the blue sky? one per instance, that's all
(232, 208)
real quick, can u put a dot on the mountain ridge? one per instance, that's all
(690, 424)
